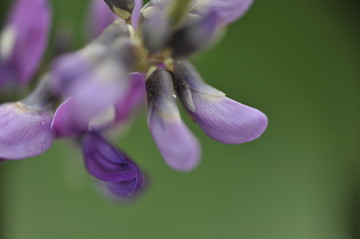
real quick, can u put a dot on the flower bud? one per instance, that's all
(122, 8)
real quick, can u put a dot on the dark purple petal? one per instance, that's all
(120, 175)
(176, 143)
(30, 21)
(100, 18)
(134, 97)
(223, 119)
(122, 8)
(24, 132)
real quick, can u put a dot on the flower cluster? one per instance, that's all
(137, 55)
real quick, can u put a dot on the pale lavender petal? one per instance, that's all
(136, 13)
(176, 143)
(24, 132)
(228, 10)
(135, 96)
(100, 18)
(30, 21)
(226, 120)
(223, 119)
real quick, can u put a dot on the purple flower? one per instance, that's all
(116, 170)
(176, 143)
(23, 41)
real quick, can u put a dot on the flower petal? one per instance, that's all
(105, 162)
(30, 20)
(135, 95)
(100, 18)
(24, 132)
(176, 143)
(136, 13)
(228, 10)
(222, 118)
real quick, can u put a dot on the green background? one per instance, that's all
(299, 62)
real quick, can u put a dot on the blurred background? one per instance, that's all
(299, 62)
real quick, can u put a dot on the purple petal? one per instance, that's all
(105, 162)
(228, 10)
(30, 21)
(136, 13)
(65, 124)
(100, 18)
(134, 97)
(24, 132)
(176, 143)
(226, 120)
(223, 119)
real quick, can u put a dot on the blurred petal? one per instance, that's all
(176, 143)
(223, 119)
(135, 95)
(30, 20)
(194, 36)
(100, 18)
(25, 132)
(136, 13)
(119, 173)
(228, 10)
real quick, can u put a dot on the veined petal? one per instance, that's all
(105, 162)
(222, 118)
(176, 143)
(100, 18)
(30, 21)
(120, 175)
(25, 132)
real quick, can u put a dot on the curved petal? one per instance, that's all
(178, 146)
(24, 132)
(30, 20)
(223, 119)
(226, 120)
(228, 10)
(176, 143)
(135, 95)
(100, 18)
(121, 177)
(136, 13)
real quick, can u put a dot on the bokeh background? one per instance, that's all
(299, 62)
